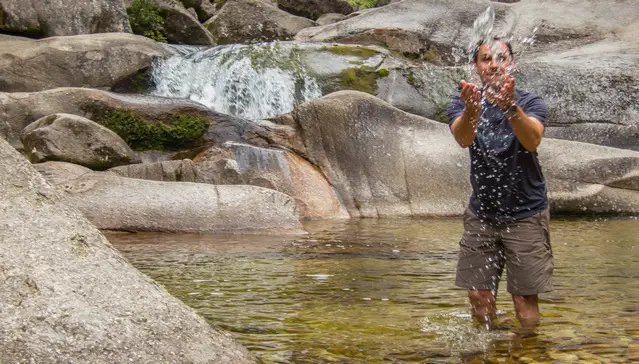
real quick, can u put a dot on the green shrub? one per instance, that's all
(142, 135)
(145, 19)
(366, 4)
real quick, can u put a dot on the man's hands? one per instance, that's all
(504, 98)
(471, 96)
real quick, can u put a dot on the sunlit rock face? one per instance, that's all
(386, 162)
(68, 294)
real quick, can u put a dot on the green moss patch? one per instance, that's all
(140, 134)
(145, 19)
(362, 78)
(350, 51)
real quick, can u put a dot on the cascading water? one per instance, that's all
(251, 81)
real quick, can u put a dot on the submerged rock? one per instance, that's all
(68, 295)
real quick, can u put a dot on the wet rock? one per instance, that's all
(74, 139)
(112, 202)
(96, 60)
(67, 295)
(313, 9)
(63, 17)
(245, 21)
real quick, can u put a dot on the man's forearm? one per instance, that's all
(527, 130)
(464, 128)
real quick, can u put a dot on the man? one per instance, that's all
(506, 222)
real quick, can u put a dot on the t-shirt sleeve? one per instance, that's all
(455, 109)
(534, 107)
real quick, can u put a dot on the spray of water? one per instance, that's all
(252, 81)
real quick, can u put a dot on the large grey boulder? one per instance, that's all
(112, 202)
(204, 9)
(381, 160)
(245, 21)
(429, 29)
(63, 17)
(591, 92)
(17, 110)
(96, 60)
(68, 296)
(386, 162)
(181, 26)
(313, 9)
(590, 178)
(74, 139)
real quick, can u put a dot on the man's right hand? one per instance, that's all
(471, 96)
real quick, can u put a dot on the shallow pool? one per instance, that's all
(382, 291)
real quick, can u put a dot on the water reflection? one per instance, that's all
(382, 290)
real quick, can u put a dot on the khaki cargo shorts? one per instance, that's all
(523, 246)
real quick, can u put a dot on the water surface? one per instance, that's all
(382, 291)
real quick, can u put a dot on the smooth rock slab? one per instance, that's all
(68, 296)
(112, 202)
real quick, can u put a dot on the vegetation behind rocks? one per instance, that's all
(145, 19)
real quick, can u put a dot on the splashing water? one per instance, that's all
(252, 81)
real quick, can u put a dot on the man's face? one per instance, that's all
(493, 59)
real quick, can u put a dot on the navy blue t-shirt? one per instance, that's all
(506, 178)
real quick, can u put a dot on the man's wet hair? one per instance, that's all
(495, 39)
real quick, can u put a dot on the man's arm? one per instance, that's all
(528, 130)
(464, 127)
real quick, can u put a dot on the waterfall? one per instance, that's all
(251, 81)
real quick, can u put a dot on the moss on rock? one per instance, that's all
(140, 134)
(362, 78)
(350, 51)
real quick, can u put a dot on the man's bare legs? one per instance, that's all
(527, 309)
(484, 310)
(484, 307)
